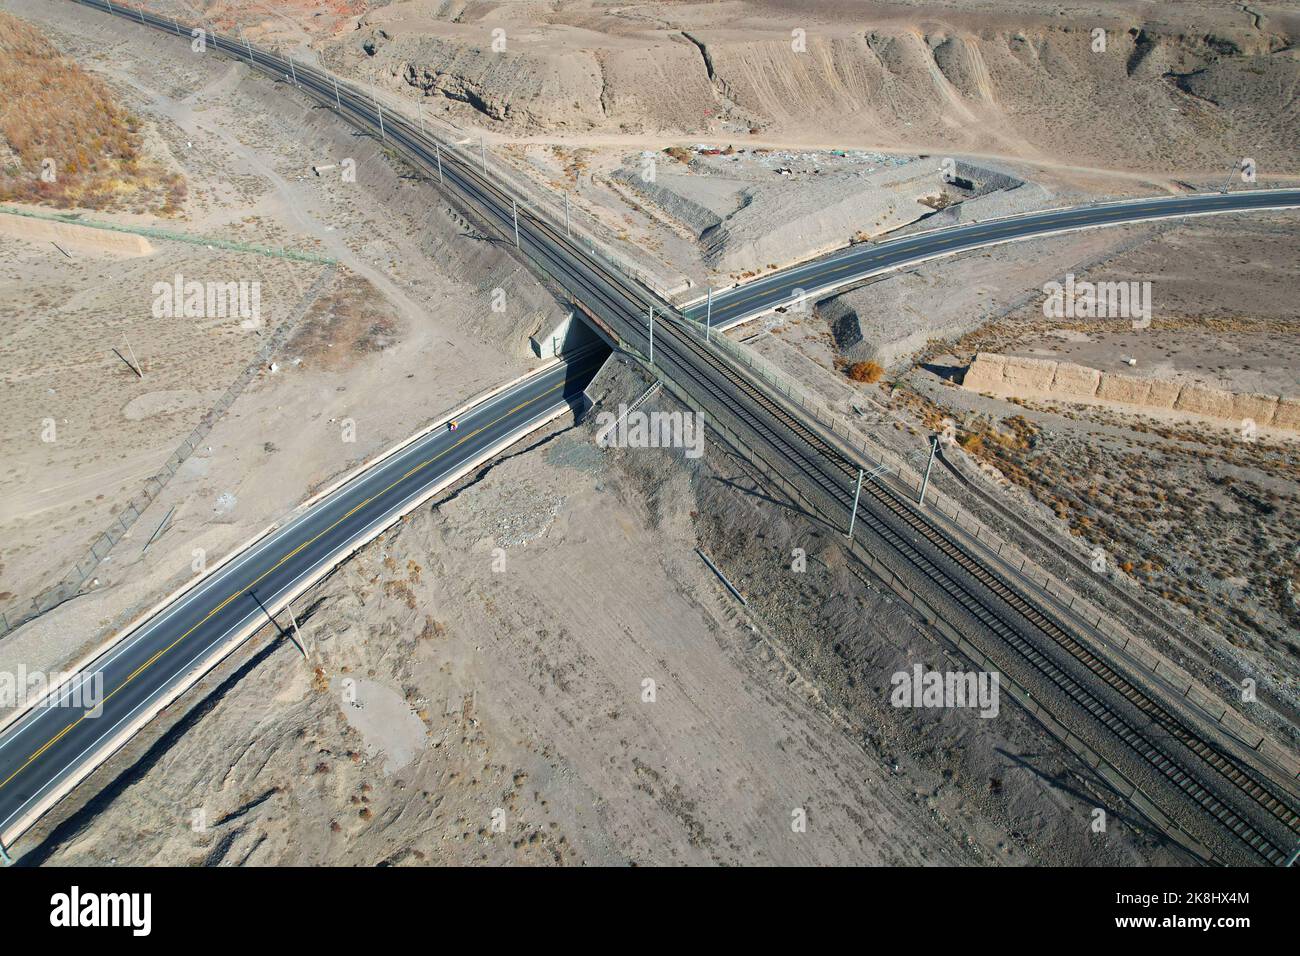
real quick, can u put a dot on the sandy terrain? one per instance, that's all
(1199, 512)
(569, 96)
(456, 713)
(1172, 90)
(399, 319)
(1194, 520)
(112, 429)
(449, 685)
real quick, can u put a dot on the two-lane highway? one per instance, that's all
(47, 750)
(1197, 777)
(820, 276)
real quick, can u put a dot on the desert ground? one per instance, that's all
(461, 712)
(574, 97)
(482, 687)
(381, 313)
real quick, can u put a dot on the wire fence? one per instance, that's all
(77, 575)
(169, 235)
(871, 455)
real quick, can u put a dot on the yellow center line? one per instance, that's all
(139, 670)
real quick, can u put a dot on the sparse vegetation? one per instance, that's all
(867, 372)
(1220, 545)
(64, 141)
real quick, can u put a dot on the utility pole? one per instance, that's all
(380, 110)
(247, 44)
(419, 112)
(514, 209)
(291, 635)
(854, 517)
(652, 335)
(177, 24)
(138, 370)
(708, 314)
(437, 154)
(482, 154)
(297, 634)
(925, 482)
(1232, 172)
(338, 104)
(158, 530)
(141, 11)
(293, 72)
(4, 855)
(566, 215)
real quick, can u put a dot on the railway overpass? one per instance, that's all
(1201, 786)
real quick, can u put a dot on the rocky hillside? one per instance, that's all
(1197, 90)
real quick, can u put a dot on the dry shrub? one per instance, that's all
(865, 372)
(52, 109)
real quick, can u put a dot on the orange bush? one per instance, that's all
(865, 372)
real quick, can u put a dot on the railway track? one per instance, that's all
(1029, 637)
(1139, 610)
(1133, 737)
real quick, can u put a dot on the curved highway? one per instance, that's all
(57, 743)
(1205, 783)
(819, 277)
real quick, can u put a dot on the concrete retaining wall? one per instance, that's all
(1013, 375)
(1287, 414)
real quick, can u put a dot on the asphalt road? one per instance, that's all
(53, 741)
(619, 304)
(731, 306)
